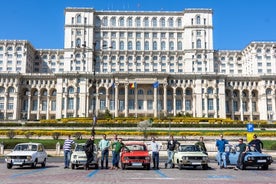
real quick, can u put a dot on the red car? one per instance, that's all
(135, 154)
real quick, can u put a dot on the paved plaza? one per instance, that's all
(55, 173)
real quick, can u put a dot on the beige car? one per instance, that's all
(190, 155)
(78, 157)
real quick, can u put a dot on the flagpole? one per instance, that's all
(135, 96)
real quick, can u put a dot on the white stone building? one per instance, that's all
(106, 52)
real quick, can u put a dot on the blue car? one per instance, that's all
(252, 158)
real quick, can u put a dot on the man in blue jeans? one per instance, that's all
(155, 147)
(220, 144)
(171, 145)
(67, 146)
(104, 147)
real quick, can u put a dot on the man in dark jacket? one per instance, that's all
(171, 146)
(257, 143)
(89, 150)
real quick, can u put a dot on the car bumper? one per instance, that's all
(20, 162)
(193, 162)
(258, 162)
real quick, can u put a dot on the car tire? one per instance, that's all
(43, 164)
(96, 166)
(73, 166)
(242, 167)
(179, 166)
(148, 167)
(173, 165)
(34, 164)
(205, 167)
(265, 167)
(123, 166)
(9, 165)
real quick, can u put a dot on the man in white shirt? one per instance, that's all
(104, 147)
(155, 147)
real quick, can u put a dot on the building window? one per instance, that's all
(129, 45)
(149, 105)
(138, 22)
(198, 20)
(131, 104)
(113, 21)
(210, 104)
(154, 45)
(121, 45)
(146, 22)
(129, 22)
(154, 22)
(44, 105)
(78, 19)
(171, 22)
(188, 105)
(162, 22)
(138, 45)
(70, 103)
(122, 22)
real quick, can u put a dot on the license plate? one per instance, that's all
(136, 164)
(196, 163)
(261, 161)
(18, 160)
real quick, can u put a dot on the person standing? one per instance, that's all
(89, 151)
(201, 145)
(67, 149)
(115, 139)
(155, 148)
(257, 143)
(171, 145)
(118, 145)
(220, 144)
(242, 149)
(104, 147)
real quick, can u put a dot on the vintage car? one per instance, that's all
(252, 158)
(78, 157)
(190, 155)
(27, 154)
(135, 154)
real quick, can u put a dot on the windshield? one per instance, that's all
(25, 147)
(80, 147)
(187, 148)
(136, 147)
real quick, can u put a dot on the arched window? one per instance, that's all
(149, 92)
(2, 90)
(210, 90)
(146, 45)
(122, 22)
(140, 92)
(105, 45)
(78, 42)
(198, 44)
(113, 21)
(146, 22)
(129, 45)
(188, 92)
(105, 22)
(129, 22)
(121, 45)
(138, 22)
(154, 22)
(154, 45)
(71, 90)
(163, 45)
(198, 19)
(170, 22)
(138, 45)
(179, 22)
(35, 93)
(178, 92)
(162, 22)
(11, 90)
(179, 45)
(268, 91)
(78, 19)
(44, 93)
(131, 91)
(54, 93)
(19, 49)
(171, 45)
(102, 91)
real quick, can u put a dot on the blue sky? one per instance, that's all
(236, 22)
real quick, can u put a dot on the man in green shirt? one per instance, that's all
(242, 149)
(118, 145)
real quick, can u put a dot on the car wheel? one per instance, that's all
(43, 164)
(34, 164)
(173, 165)
(96, 166)
(72, 166)
(242, 166)
(205, 167)
(179, 166)
(265, 167)
(123, 166)
(9, 165)
(148, 167)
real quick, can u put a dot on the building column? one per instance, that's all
(273, 107)
(206, 104)
(75, 104)
(155, 103)
(183, 103)
(38, 106)
(165, 100)
(241, 106)
(6, 105)
(107, 99)
(116, 100)
(29, 106)
(250, 108)
(215, 105)
(48, 107)
(194, 106)
(174, 101)
(65, 105)
(126, 100)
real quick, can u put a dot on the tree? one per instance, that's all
(144, 125)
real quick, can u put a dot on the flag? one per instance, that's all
(132, 85)
(155, 84)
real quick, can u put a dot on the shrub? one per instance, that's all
(55, 135)
(10, 134)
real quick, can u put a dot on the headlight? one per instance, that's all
(269, 158)
(75, 156)
(147, 158)
(250, 158)
(125, 158)
(204, 158)
(8, 159)
(29, 158)
(184, 158)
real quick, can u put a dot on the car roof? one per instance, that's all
(32, 143)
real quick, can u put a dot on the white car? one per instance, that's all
(190, 155)
(27, 154)
(78, 157)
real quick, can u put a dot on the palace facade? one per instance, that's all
(137, 63)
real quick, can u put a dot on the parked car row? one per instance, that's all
(136, 154)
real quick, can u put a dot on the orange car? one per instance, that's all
(135, 155)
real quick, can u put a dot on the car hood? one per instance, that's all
(190, 154)
(21, 153)
(257, 154)
(136, 153)
(79, 153)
